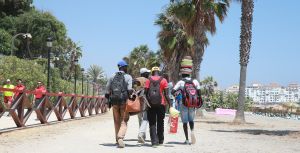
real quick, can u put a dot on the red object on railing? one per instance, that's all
(59, 105)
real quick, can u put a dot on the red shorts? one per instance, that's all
(7, 99)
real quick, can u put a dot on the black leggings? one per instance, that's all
(186, 133)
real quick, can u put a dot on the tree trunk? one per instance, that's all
(245, 45)
(240, 117)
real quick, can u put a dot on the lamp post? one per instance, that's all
(49, 45)
(24, 35)
(87, 84)
(82, 71)
(75, 75)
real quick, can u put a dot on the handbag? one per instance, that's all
(133, 106)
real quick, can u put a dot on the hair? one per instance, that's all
(185, 75)
(155, 73)
(123, 68)
(145, 75)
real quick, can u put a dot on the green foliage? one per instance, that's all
(140, 57)
(30, 71)
(40, 25)
(221, 99)
(14, 7)
(5, 45)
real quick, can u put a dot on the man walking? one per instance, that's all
(142, 116)
(119, 89)
(8, 95)
(156, 90)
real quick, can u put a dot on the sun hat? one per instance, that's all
(155, 68)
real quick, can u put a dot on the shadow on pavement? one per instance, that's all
(260, 132)
(126, 145)
(176, 143)
(135, 140)
(220, 122)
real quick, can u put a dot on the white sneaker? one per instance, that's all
(193, 138)
(187, 142)
(121, 143)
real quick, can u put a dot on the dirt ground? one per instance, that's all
(214, 134)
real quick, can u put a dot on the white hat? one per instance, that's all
(7, 80)
(144, 70)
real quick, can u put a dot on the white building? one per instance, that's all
(272, 93)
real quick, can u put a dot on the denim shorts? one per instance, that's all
(187, 114)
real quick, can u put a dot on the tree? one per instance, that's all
(140, 57)
(197, 17)
(5, 46)
(208, 88)
(14, 7)
(97, 75)
(245, 45)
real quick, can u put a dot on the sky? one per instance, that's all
(109, 30)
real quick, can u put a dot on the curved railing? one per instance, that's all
(59, 103)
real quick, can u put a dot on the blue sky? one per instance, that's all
(109, 30)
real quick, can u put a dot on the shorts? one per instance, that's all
(187, 113)
(8, 99)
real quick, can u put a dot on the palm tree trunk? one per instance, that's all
(240, 116)
(245, 45)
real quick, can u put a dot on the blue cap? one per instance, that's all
(122, 64)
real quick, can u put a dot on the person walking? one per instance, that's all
(8, 95)
(118, 90)
(156, 90)
(19, 88)
(142, 116)
(39, 93)
(187, 111)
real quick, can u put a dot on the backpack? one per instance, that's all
(118, 89)
(154, 96)
(190, 95)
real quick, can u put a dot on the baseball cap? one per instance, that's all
(155, 69)
(122, 64)
(144, 70)
(7, 80)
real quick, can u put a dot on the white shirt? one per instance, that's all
(180, 84)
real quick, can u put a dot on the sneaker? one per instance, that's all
(121, 143)
(154, 145)
(193, 138)
(187, 142)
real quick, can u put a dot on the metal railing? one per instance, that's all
(59, 103)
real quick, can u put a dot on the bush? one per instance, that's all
(31, 71)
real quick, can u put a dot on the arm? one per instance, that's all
(166, 94)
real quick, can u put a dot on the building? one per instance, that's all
(272, 93)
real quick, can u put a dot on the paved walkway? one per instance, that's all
(96, 134)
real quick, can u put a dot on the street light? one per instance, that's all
(49, 45)
(75, 76)
(24, 35)
(82, 71)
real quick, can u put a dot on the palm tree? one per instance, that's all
(140, 57)
(245, 45)
(97, 75)
(209, 85)
(197, 17)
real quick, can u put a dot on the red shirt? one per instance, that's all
(20, 88)
(163, 85)
(39, 92)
